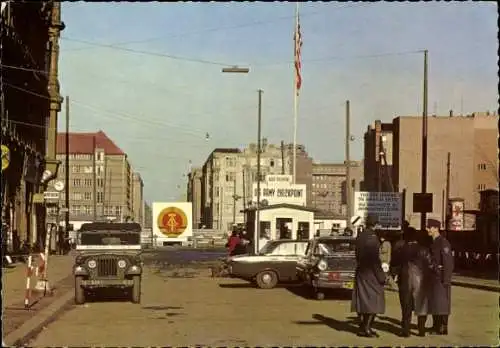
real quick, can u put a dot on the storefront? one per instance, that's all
(282, 221)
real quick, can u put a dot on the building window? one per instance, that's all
(89, 210)
(75, 210)
(87, 169)
(100, 197)
(76, 169)
(100, 182)
(76, 196)
(118, 210)
(481, 187)
(230, 177)
(481, 166)
(230, 162)
(217, 210)
(271, 163)
(217, 191)
(87, 196)
(87, 182)
(77, 182)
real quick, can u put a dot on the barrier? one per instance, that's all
(29, 275)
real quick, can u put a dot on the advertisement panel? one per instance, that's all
(172, 221)
(456, 221)
(386, 206)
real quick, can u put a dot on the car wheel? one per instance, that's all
(266, 279)
(136, 289)
(79, 291)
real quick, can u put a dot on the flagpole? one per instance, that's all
(295, 100)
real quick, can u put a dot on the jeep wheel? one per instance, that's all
(136, 289)
(266, 279)
(79, 291)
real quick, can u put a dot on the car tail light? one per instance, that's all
(333, 276)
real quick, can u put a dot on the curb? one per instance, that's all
(485, 287)
(32, 327)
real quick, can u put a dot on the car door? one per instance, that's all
(287, 255)
(303, 261)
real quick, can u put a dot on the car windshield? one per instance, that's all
(331, 247)
(268, 248)
(109, 238)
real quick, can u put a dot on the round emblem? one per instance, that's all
(59, 185)
(172, 221)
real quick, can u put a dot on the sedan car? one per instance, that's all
(329, 263)
(275, 263)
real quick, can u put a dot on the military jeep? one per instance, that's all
(109, 256)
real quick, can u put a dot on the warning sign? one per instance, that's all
(385, 206)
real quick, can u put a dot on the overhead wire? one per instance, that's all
(208, 30)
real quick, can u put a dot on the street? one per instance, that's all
(183, 306)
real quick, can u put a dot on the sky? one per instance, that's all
(149, 74)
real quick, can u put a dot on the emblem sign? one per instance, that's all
(172, 221)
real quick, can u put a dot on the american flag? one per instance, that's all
(298, 49)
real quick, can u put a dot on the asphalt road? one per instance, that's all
(183, 306)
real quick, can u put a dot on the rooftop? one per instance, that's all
(83, 143)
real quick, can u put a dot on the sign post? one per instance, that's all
(385, 206)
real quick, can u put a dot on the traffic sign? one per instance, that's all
(5, 157)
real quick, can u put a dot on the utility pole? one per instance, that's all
(66, 173)
(447, 192)
(235, 198)
(423, 216)
(94, 179)
(348, 161)
(257, 211)
(282, 157)
(244, 198)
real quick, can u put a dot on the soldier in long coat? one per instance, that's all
(415, 269)
(440, 294)
(368, 294)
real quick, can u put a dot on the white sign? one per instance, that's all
(274, 178)
(276, 194)
(51, 195)
(385, 206)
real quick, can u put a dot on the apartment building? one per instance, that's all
(228, 175)
(472, 143)
(137, 198)
(113, 177)
(329, 186)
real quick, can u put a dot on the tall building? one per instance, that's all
(113, 177)
(472, 143)
(329, 186)
(230, 173)
(194, 194)
(137, 198)
(29, 104)
(378, 157)
(148, 216)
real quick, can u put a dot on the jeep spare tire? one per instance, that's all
(136, 289)
(79, 291)
(266, 279)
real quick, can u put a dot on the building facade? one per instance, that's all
(228, 176)
(29, 103)
(137, 198)
(113, 179)
(329, 186)
(194, 194)
(472, 143)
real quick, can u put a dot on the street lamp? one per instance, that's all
(236, 70)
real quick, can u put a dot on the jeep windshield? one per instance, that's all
(110, 236)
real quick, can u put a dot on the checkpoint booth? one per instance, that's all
(281, 221)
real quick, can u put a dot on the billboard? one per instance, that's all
(386, 206)
(172, 221)
(456, 220)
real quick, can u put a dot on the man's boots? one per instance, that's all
(436, 324)
(444, 325)
(421, 319)
(405, 325)
(371, 318)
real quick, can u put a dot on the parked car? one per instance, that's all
(329, 263)
(109, 256)
(275, 263)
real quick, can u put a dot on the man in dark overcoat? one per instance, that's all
(415, 267)
(440, 292)
(368, 294)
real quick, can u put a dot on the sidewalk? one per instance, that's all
(476, 283)
(14, 284)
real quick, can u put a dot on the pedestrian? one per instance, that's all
(232, 242)
(415, 267)
(368, 294)
(385, 258)
(440, 294)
